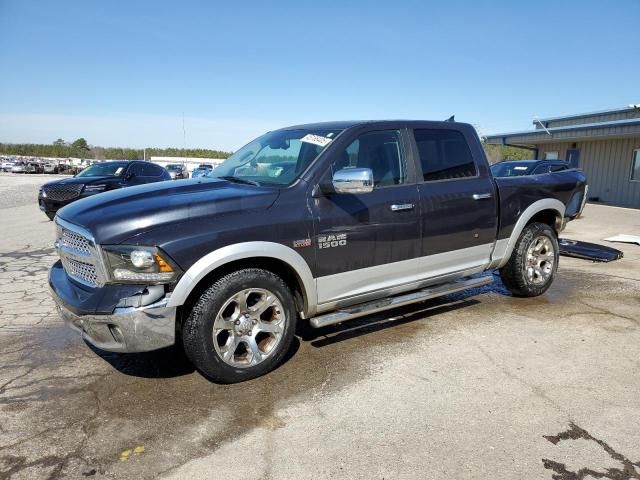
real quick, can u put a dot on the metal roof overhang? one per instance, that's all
(628, 108)
(587, 131)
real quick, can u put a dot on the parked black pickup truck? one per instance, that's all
(97, 178)
(323, 222)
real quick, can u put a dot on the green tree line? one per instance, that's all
(497, 153)
(81, 149)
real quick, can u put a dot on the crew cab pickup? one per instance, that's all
(319, 223)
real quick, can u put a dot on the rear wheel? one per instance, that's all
(241, 327)
(533, 262)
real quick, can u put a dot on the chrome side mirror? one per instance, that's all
(353, 180)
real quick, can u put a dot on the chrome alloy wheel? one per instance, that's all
(540, 260)
(248, 327)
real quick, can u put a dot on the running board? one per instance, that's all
(375, 306)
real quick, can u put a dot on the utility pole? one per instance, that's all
(184, 141)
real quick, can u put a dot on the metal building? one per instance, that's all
(604, 144)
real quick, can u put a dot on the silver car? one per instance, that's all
(51, 167)
(23, 167)
(6, 166)
(177, 171)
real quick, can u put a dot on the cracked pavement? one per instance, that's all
(475, 385)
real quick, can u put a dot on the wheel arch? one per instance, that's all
(548, 210)
(275, 257)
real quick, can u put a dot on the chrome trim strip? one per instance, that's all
(334, 288)
(240, 251)
(396, 290)
(398, 301)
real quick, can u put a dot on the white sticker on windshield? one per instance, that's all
(316, 140)
(520, 168)
(118, 171)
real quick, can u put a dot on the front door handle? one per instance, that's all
(481, 196)
(397, 207)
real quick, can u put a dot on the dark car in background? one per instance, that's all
(178, 171)
(202, 170)
(518, 168)
(97, 178)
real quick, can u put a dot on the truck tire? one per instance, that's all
(241, 327)
(533, 262)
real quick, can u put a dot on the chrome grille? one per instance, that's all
(80, 256)
(74, 241)
(63, 191)
(80, 270)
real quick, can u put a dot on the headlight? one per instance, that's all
(43, 194)
(94, 188)
(136, 264)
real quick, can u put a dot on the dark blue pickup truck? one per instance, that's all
(321, 223)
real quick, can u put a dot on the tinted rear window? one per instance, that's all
(444, 155)
(151, 170)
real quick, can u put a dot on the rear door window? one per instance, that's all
(444, 155)
(151, 170)
(136, 169)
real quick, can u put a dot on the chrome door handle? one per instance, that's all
(481, 196)
(397, 207)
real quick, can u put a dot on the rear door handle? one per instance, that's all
(398, 207)
(481, 196)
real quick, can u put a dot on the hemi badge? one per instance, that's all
(305, 242)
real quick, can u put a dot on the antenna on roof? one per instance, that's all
(452, 118)
(635, 106)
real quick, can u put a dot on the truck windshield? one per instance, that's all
(107, 169)
(276, 158)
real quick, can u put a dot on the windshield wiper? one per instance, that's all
(231, 178)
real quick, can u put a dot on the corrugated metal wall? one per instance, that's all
(607, 164)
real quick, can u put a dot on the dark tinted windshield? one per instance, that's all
(511, 169)
(278, 157)
(107, 169)
(174, 167)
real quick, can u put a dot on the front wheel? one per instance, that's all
(241, 327)
(533, 262)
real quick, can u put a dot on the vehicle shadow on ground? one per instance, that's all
(396, 317)
(323, 337)
(172, 361)
(167, 362)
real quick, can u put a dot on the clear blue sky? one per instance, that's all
(120, 73)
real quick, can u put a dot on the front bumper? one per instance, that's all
(125, 329)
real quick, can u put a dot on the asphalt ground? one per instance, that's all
(475, 385)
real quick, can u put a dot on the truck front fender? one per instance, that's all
(241, 251)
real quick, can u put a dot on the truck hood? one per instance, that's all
(84, 180)
(115, 216)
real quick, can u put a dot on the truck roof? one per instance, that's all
(344, 124)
